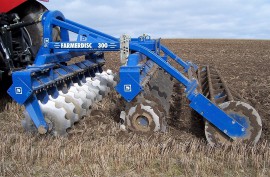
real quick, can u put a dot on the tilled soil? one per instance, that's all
(244, 64)
(97, 147)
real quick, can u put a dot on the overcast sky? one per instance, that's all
(246, 19)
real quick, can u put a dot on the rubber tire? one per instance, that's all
(29, 11)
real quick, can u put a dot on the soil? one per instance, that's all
(244, 64)
(97, 147)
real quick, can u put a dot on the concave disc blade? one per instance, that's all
(245, 115)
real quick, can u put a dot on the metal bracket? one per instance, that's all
(124, 48)
(144, 37)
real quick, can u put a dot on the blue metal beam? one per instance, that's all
(163, 64)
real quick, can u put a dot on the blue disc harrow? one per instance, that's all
(56, 93)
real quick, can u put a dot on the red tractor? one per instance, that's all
(20, 36)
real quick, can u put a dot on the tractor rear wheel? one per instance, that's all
(30, 11)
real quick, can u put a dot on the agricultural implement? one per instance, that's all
(56, 93)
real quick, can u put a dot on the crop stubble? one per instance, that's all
(97, 147)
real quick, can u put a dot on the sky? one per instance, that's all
(230, 19)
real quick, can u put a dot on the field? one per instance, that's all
(97, 147)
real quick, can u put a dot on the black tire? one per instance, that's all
(30, 11)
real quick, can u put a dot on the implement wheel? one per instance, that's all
(242, 113)
(145, 116)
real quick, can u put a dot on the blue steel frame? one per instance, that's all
(131, 75)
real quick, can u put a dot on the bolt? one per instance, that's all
(202, 113)
(233, 122)
(225, 131)
(243, 129)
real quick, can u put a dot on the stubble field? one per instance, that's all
(97, 147)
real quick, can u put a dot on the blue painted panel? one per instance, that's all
(216, 116)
